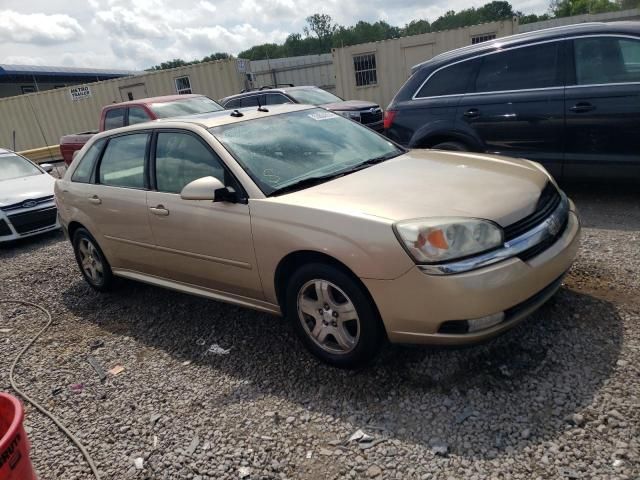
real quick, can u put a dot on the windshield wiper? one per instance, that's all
(306, 182)
(373, 161)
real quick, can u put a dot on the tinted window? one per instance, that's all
(519, 69)
(137, 115)
(182, 158)
(450, 80)
(233, 104)
(123, 161)
(83, 171)
(114, 118)
(606, 60)
(251, 101)
(276, 99)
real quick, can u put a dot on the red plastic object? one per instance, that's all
(14, 445)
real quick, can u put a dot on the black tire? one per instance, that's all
(369, 325)
(454, 146)
(102, 282)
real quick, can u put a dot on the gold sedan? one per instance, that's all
(298, 211)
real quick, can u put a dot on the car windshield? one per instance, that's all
(14, 166)
(282, 151)
(313, 96)
(188, 106)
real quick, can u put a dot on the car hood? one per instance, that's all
(26, 188)
(350, 105)
(430, 183)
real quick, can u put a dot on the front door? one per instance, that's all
(517, 104)
(201, 243)
(118, 204)
(603, 109)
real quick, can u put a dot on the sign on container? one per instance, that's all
(79, 93)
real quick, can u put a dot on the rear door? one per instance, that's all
(603, 108)
(202, 243)
(517, 103)
(117, 203)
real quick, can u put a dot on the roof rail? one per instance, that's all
(267, 87)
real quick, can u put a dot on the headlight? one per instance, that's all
(348, 114)
(438, 239)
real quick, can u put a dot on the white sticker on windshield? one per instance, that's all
(322, 116)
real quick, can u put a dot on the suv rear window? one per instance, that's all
(451, 80)
(520, 69)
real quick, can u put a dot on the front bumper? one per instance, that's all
(16, 223)
(415, 306)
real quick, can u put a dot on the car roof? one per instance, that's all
(210, 119)
(149, 100)
(531, 37)
(258, 91)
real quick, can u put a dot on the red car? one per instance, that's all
(137, 111)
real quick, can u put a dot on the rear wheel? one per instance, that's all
(454, 146)
(334, 316)
(93, 265)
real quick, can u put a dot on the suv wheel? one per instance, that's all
(92, 262)
(334, 316)
(455, 146)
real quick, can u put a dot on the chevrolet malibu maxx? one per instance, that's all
(299, 212)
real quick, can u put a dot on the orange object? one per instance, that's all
(436, 238)
(14, 444)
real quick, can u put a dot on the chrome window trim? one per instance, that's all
(494, 52)
(510, 249)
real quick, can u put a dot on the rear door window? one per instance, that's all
(233, 103)
(602, 60)
(114, 118)
(520, 69)
(252, 101)
(451, 80)
(83, 171)
(123, 161)
(276, 99)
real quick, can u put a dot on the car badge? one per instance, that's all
(29, 204)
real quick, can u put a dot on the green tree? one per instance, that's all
(416, 27)
(566, 8)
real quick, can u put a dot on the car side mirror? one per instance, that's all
(208, 188)
(47, 167)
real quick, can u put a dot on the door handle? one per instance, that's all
(95, 200)
(581, 107)
(472, 113)
(159, 210)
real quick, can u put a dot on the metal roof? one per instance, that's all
(42, 70)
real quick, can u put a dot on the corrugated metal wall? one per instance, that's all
(304, 70)
(40, 119)
(395, 57)
(631, 14)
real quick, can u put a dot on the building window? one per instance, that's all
(482, 38)
(183, 85)
(28, 89)
(365, 68)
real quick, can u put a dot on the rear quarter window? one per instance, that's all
(450, 80)
(83, 171)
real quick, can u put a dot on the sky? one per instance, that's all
(137, 34)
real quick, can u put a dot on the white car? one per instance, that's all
(27, 206)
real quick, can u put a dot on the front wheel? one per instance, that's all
(92, 262)
(334, 316)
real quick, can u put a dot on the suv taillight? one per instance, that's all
(389, 116)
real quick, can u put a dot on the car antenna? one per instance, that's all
(260, 107)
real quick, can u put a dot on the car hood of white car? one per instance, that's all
(20, 189)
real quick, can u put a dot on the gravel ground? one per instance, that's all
(557, 397)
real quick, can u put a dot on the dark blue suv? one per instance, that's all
(567, 97)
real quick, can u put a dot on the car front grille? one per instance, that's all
(30, 203)
(547, 202)
(4, 229)
(33, 220)
(368, 117)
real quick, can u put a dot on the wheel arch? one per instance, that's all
(429, 139)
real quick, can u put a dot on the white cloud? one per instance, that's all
(22, 60)
(38, 28)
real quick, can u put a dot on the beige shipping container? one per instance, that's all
(375, 71)
(40, 119)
